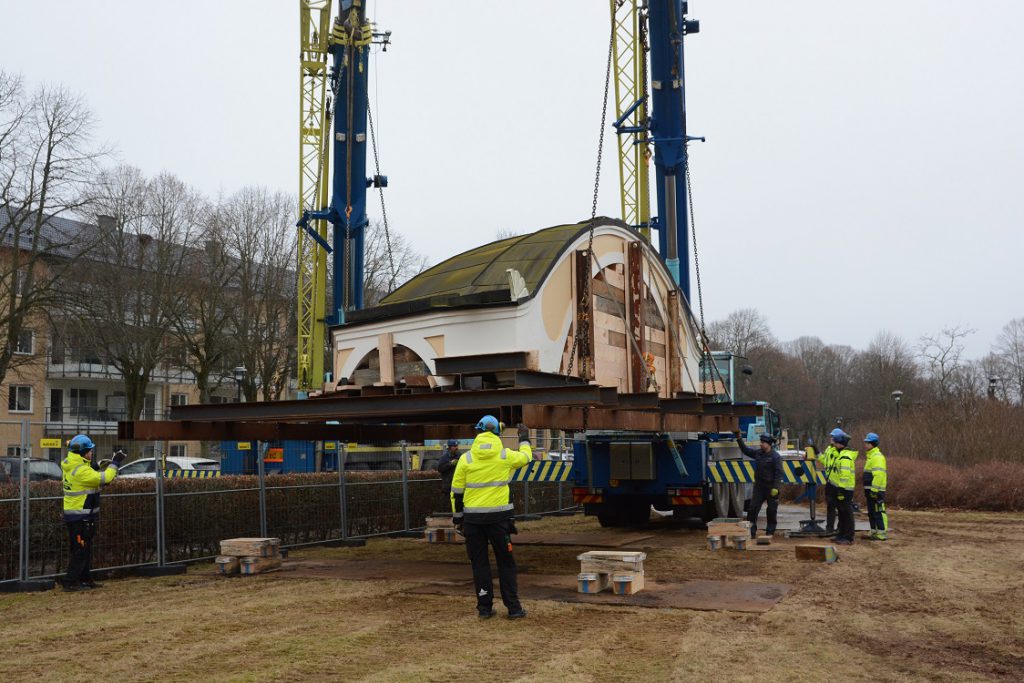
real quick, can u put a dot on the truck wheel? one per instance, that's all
(609, 518)
(637, 514)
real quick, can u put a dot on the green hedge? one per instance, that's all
(199, 513)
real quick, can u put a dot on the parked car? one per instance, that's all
(38, 470)
(146, 467)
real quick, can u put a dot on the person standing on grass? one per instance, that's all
(446, 468)
(767, 480)
(842, 475)
(875, 479)
(82, 485)
(483, 512)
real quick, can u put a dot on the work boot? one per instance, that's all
(517, 614)
(92, 584)
(842, 541)
(486, 613)
(74, 587)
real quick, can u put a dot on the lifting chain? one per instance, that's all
(705, 350)
(383, 209)
(584, 306)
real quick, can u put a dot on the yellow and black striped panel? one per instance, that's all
(742, 471)
(732, 471)
(191, 474)
(544, 470)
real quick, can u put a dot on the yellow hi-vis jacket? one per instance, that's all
(843, 472)
(480, 484)
(82, 487)
(875, 474)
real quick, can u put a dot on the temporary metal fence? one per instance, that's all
(160, 520)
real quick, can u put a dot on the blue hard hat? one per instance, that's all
(871, 438)
(488, 423)
(81, 444)
(453, 442)
(838, 434)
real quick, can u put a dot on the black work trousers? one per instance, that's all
(763, 493)
(497, 535)
(844, 511)
(830, 505)
(876, 510)
(80, 535)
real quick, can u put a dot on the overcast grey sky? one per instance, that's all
(861, 171)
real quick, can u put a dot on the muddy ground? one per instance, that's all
(943, 600)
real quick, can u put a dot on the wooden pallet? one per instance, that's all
(227, 565)
(249, 566)
(612, 561)
(442, 535)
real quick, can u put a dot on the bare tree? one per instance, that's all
(1009, 347)
(741, 331)
(261, 237)
(942, 356)
(202, 329)
(132, 288)
(390, 261)
(47, 156)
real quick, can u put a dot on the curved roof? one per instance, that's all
(477, 277)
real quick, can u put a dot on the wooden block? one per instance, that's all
(440, 522)
(816, 553)
(592, 582)
(250, 547)
(258, 565)
(611, 561)
(227, 564)
(627, 584)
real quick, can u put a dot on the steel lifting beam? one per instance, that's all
(363, 407)
(172, 430)
(484, 362)
(574, 419)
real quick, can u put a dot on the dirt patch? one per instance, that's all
(940, 601)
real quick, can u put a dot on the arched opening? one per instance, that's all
(405, 362)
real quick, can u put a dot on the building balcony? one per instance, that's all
(71, 365)
(91, 420)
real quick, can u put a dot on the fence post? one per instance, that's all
(560, 495)
(23, 549)
(405, 484)
(261, 449)
(526, 494)
(160, 548)
(342, 457)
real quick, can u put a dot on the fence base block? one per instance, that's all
(347, 543)
(563, 513)
(528, 518)
(166, 570)
(30, 586)
(407, 534)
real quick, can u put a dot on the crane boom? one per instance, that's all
(314, 31)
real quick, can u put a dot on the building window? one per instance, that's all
(26, 342)
(19, 282)
(179, 399)
(179, 450)
(220, 399)
(14, 451)
(85, 403)
(19, 399)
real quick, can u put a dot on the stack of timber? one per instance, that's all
(249, 556)
(623, 571)
(817, 553)
(440, 529)
(731, 532)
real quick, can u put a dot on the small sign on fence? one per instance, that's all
(244, 446)
(50, 443)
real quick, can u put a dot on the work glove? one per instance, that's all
(119, 458)
(458, 521)
(840, 497)
(524, 433)
(775, 493)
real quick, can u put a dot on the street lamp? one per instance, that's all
(897, 396)
(240, 372)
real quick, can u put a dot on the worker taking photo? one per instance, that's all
(446, 468)
(82, 483)
(484, 514)
(767, 480)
